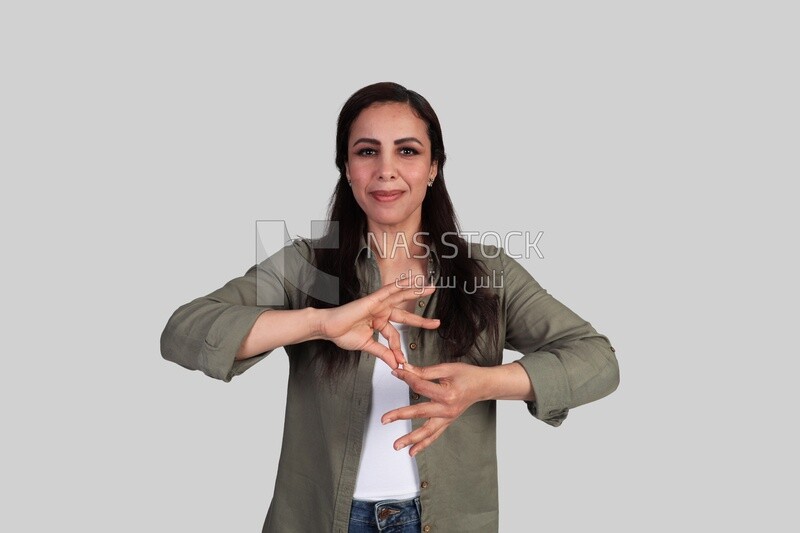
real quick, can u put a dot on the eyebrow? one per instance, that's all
(398, 141)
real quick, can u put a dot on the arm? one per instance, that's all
(452, 388)
(279, 328)
(507, 382)
(567, 361)
(209, 333)
(350, 326)
(228, 331)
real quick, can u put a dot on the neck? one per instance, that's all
(397, 243)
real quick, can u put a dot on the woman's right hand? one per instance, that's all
(351, 326)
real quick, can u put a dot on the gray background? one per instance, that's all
(655, 146)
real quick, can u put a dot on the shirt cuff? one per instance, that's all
(218, 355)
(550, 386)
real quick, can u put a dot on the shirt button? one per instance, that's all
(414, 396)
(424, 485)
(421, 303)
(413, 345)
(426, 528)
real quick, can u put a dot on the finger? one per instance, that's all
(404, 317)
(409, 412)
(427, 441)
(393, 288)
(421, 434)
(380, 351)
(392, 337)
(387, 298)
(433, 372)
(415, 436)
(418, 384)
(380, 318)
(417, 282)
(411, 293)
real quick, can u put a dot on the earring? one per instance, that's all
(350, 183)
(430, 183)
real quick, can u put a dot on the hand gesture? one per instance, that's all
(351, 326)
(459, 386)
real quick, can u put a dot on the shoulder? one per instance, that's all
(294, 256)
(304, 247)
(490, 255)
(491, 262)
(507, 274)
(300, 250)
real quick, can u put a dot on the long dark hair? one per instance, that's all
(463, 316)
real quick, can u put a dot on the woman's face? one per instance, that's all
(389, 165)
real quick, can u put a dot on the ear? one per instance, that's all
(347, 170)
(434, 169)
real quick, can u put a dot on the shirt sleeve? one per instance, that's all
(568, 362)
(206, 333)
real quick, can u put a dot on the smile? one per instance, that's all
(386, 196)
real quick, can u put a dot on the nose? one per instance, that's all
(388, 168)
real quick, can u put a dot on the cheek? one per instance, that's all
(421, 173)
(360, 174)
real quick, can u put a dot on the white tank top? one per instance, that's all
(383, 472)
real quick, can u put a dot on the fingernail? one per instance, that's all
(397, 446)
(394, 373)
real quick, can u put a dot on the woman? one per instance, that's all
(355, 427)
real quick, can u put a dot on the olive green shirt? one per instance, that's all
(568, 362)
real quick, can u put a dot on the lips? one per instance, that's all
(386, 196)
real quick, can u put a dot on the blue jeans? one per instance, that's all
(387, 516)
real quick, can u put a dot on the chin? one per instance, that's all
(386, 221)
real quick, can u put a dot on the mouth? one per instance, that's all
(386, 196)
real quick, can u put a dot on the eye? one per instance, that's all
(366, 152)
(407, 150)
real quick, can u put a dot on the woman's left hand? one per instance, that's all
(459, 386)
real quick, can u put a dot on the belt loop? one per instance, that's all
(375, 507)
